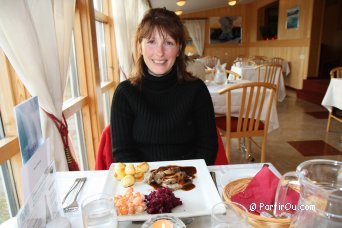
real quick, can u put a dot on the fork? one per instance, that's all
(74, 204)
(73, 186)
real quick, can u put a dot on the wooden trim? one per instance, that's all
(112, 60)
(280, 43)
(102, 17)
(105, 86)
(12, 93)
(9, 146)
(89, 74)
(74, 106)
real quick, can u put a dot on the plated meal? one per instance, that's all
(183, 188)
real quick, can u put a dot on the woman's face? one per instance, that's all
(159, 52)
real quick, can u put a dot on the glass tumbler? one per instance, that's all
(99, 211)
(225, 215)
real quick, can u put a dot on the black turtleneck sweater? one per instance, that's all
(162, 119)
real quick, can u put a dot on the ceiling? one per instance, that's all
(193, 5)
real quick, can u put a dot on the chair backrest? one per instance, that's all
(233, 74)
(269, 73)
(209, 61)
(256, 99)
(258, 59)
(104, 156)
(277, 60)
(336, 72)
(244, 62)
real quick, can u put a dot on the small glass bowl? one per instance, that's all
(170, 221)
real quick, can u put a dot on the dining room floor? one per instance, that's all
(301, 136)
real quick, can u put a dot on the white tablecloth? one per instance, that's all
(250, 73)
(333, 96)
(219, 102)
(286, 68)
(96, 180)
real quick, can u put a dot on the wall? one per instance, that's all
(292, 45)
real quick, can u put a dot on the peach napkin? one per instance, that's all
(261, 191)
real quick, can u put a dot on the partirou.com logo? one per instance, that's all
(280, 207)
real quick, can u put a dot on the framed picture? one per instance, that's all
(225, 29)
(292, 18)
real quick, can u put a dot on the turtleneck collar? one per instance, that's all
(160, 83)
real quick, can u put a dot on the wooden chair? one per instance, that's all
(277, 60)
(334, 73)
(244, 62)
(269, 73)
(258, 59)
(234, 74)
(280, 61)
(248, 123)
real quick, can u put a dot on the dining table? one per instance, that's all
(251, 73)
(333, 95)
(285, 66)
(219, 102)
(96, 181)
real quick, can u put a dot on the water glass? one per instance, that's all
(226, 215)
(99, 211)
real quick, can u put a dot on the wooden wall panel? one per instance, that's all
(305, 15)
(316, 37)
(296, 55)
(292, 45)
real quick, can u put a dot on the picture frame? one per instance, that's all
(227, 29)
(292, 18)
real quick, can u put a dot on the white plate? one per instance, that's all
(196, 202)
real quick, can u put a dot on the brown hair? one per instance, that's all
(167, 23)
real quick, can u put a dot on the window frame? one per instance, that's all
(90, 100)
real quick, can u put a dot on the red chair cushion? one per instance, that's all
(221, 158)
(104, 153)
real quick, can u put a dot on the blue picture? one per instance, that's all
(29, 127)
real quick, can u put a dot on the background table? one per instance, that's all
(250, 73)
(219, 102)
(333, 96)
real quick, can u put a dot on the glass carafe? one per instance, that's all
(320, 187)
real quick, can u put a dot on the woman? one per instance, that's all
(162, 112)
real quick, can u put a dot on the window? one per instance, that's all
(8, 200)
(88, 92)
(268, 21)
(75, 126)
(103, 36)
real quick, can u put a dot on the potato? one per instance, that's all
(142, 167)
(119, 168)
(127, 181)
(120, 175)
(130, 170)
(139, 176)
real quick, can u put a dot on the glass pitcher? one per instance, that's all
(320, 202)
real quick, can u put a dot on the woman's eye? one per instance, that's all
(170, 43)
(150, 41)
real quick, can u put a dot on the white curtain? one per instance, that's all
(196, 29)
(36, 37)
(127, 14)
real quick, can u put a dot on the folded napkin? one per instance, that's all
(261, 192)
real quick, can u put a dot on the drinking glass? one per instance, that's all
(99, 211)
(225, 215)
